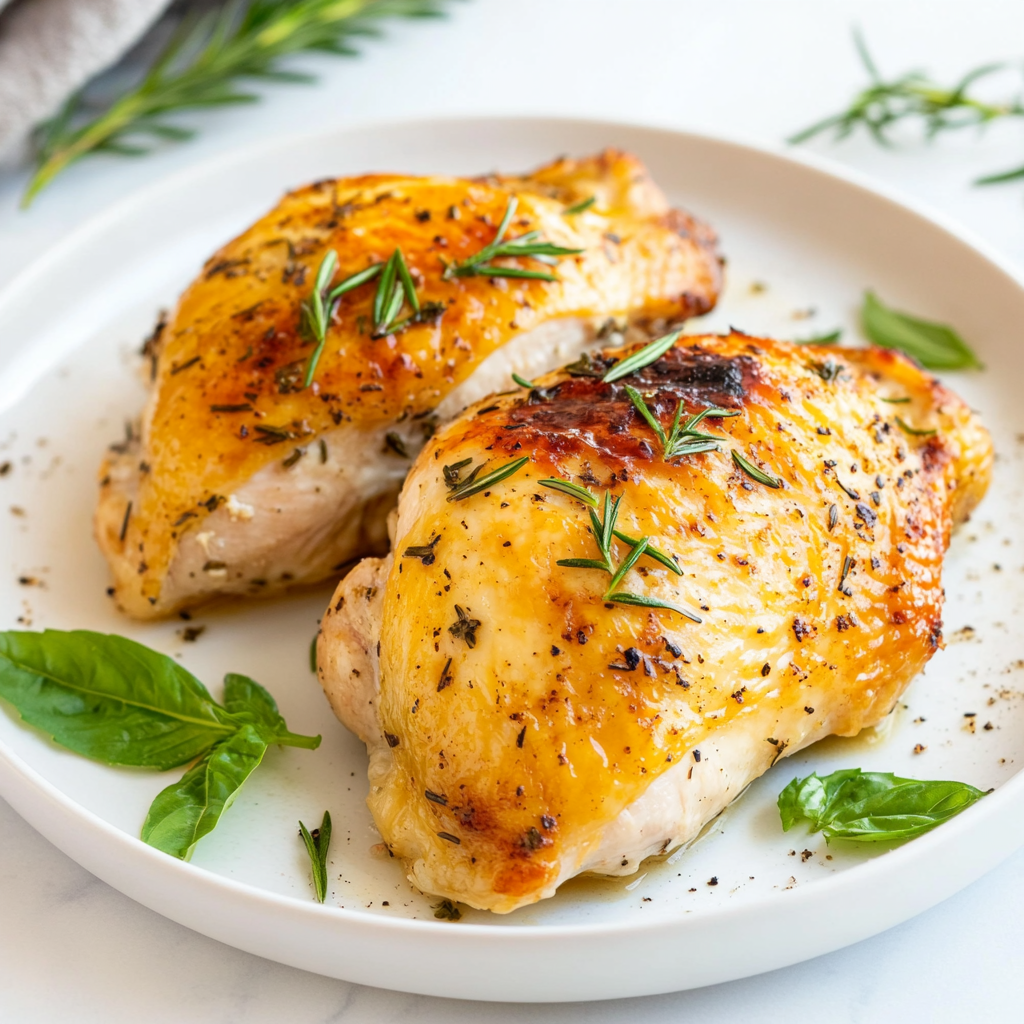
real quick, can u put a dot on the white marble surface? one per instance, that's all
(73, 949)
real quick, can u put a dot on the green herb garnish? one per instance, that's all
(884, 103)
(522, 381)
(446, 910)
(528, 245)
(914, 431)
(201, 66)
(312, 654)
(573, 490)
(682, 438)
(848, 563)
(472, 485)
(820, 339)
(872, 806)
(114, 701)
(317, 844)
(464, 627)
(760, 475)
(603, 529)
(914, 96)
(315, 312)
(935, 346)
(650, 353)
(394, 289)
(579, 207)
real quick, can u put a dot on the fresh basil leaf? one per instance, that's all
(935, 346)
(189, 809)
(109, 698)
(872, 806)
(249, 702)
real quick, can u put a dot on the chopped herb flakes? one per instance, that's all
(464, 627)
(446, 910)
(424, 552)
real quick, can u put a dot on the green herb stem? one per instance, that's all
(604, 530)
(585, 204)
(650, 353)
(760, 475)
(573, 490)
(317, 845)
(202, 66)
(473, 485)
(528, 245)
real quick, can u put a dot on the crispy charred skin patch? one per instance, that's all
(580, 415)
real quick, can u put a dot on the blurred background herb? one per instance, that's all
(915, 97)
(214, 55)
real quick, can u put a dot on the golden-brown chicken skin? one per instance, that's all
(242, 480)
(523, 727)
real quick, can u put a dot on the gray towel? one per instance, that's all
(49, 48)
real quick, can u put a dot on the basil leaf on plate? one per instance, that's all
(872, 806)
(118, 702)
(935, 346)
(245, 699)
(109, 698)
(190, 808)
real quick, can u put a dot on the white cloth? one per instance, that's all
(49, 48)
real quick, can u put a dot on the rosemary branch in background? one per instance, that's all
(914, 96)
(202, 65)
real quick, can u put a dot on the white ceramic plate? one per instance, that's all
(803, 242)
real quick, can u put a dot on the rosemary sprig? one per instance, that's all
(474, 485)
(394, 288)
(579, 207)
(650, 353)
(604, 531)
(584, 495)
(201, 66)
(914, 431)
(530, 244)
(317, 844)
(682, 438)
(573, 490)
(752, 471)
(914, 96)
(315, 313)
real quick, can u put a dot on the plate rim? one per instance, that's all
(19, 781)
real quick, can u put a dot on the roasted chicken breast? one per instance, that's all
(244, 479)
(527, 719)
